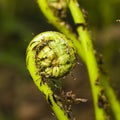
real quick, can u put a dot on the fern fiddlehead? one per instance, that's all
(50, 55)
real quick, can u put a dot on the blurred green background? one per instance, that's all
(20, 21)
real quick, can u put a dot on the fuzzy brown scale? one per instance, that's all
(58, 7)
(68, 99)
(83, 25)
(102, 101)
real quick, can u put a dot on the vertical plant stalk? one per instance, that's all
(90, 60)
(50, 55)
(93, 70)
(112, 98)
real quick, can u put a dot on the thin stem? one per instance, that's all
(113, 101)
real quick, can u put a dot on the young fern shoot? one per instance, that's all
(50, 55)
